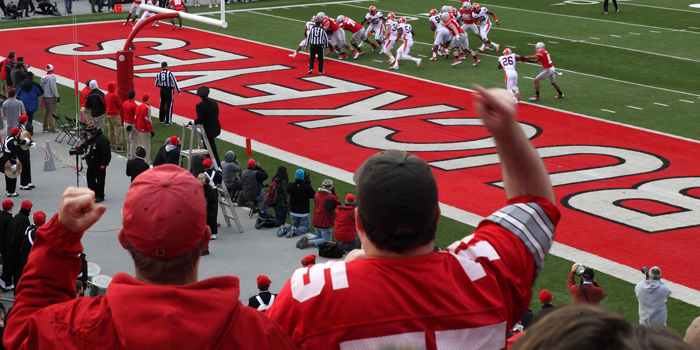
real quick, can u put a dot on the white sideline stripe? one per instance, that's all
(633, 107)
(660, 104)
(635, 33)
(531, 44)
(654, 31)
(422, 56)
(616, 36)
(663, 8)
(594, 38)
(686, 101)
(607, 110)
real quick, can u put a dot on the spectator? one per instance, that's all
(345, 223)
(29, 93)
(692, 334)
(18, 228)
(652, 295)
(11, 150)
(84, 109)
(325, 202)
(212, 205)
(141, 312)
(5, 239)
(264, 299)
(114, 110)
(208, 117)
(132, 136)
(142, 120)
(51, 99)
(98, 106)
(11, 12)
(169, 153)
(6, 66)
(136, 166)
(11, 110)
(547, 307)
(79, 288)
(252, 179)
(589, 291)
(445, 297)
(19, 72)
(24, 156)
(300, 192)
(230, 168)
(29, 237)
(213, 175)
(308, 260)
(281, 207)
(97, 159)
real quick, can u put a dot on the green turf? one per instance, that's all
(603, 72)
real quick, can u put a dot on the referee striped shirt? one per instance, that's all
(317, 36)
(166, 79)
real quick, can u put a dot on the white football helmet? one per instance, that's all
(445, 9)
(445, 16)
(539, 46)
(320, 16)
(313, 18)
(372, 9)
(466, 5)
(340, 19)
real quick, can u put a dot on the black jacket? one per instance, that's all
(208, 116)
(164, 157)
(98, 151)
(19, 225)
(212, 207)
(96, 102)
(5, 232)
(8, 72)
(300, 193)
(265, 296)
(11, 148)
(136, 166)
(27, 243)
(18, 76)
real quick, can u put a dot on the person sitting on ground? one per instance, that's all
(11, 12)
(252, 179)
(164, 307)
(169, 153)
(300, 192)
(325, 202)
(345, 223)
(263, 300)
(309, 260)
(230, 167)
(589, 291)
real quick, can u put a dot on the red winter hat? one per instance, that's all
(251, 163)
(39, 218)
(164, 214)
(146, 97)
(27, 205)
(311, 259)
(174, 140)
(545, 295)
(207, 162)
(7, 204)
(263, 281)
(23, 118)
(14, 131)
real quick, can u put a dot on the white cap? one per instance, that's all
(49, 68)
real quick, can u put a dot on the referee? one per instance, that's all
(166, 82)
(318, 39)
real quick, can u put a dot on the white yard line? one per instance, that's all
(693, 27)
(512, 47)
(686, 101)
(635, 33)
(616, 36)
(554, 42)
(660, 104)
(594, 38)
(661, 8)
(607, 110)
(654, 31)
(637, 108)
(378, 61)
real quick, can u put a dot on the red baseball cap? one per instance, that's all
(264, 281)
(164, 214)
(311, 259)
(251, 163)
(146, 97)
(350, 198)
(14, 131)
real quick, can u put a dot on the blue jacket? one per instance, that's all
(29, 93)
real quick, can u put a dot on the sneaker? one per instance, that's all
(125, 23)
(617, 10)
(280, 231)
(357, 54)
(310, 71)
(433, 58)
(605, 12)
(374, 47)
(394, 67)
(205, 252)
(99, 200)
(419, 62)
(498, 47)
(30, 185)
(209, 6)
(303, 241)
(217, 5)
(11, 194)
(292, 232)
(264, 215)
(534, 98)
(392, 61)
(559, 96)
(293, 55)
(462, 57)
(476, 63)
(25, 188)
(258, 223)
(155, 25)
(481, 49)
(322, 72)
(213, 237)
(179, 28)
(456, 62)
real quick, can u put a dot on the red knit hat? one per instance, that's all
(545, 295)
(146, 97)
(7, 204)
(207, 162)
(309, 260)
(251, 163)
(39, 218)
(174, 140)
(14, 131)
(263, 281)
(23, 118)
(164, 214)
(27, 205)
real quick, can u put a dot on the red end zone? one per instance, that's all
(625, 194)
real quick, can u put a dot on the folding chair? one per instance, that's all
(64, 129)
(74, 130)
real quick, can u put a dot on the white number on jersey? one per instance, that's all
(350, 23)
(467, 257)
(376, 19)
(177, 2)
(482, 16)
(391, 27)
(317, 279)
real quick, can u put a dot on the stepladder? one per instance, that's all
(199, 146)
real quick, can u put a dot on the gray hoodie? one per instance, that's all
(229, 167)
(652, 296)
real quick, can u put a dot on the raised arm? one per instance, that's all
(524, 173)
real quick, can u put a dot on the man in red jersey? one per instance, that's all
(164, 306)
(336, 36)
(459, 44)
(548, 71)
(358, 34)
(403, 292)
(177, 5)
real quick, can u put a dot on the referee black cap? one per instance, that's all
(164, 65)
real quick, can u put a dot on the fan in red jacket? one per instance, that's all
(132, 136)
(164, 223)
(114, 111)
(589, 291)
(345, 223)
(325, 202)
(144, 126)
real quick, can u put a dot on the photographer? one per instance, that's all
(589, 291)
(97, 157)
(300, 192)
(252, 179)
(652, 295)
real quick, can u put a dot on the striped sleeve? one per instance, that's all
(172, 82)
(531, 224)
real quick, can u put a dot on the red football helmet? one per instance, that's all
(372, 10)
(390, 16)
(402, 20)
(476, 8)
(433, 12)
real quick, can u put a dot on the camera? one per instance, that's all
(76, 151)
(579, 270)
(645, 270)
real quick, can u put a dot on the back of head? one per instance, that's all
(140, 151)
(655, 273)
(282, 173)
(132, 94)
(397, 200)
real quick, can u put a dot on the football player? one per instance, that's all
(147, 14)
(442, 35)
(136, 9)
(336, 36)
(302, 44)
(405, 32)
(482, 14)
(376, 26)
(358, 34)
(390, 27)
(467, 18)
(177, 5)
(459, 44)
(547, 72)
(507, 63)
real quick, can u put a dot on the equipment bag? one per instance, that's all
(332, 250)
(271, 196)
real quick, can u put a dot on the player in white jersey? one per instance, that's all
(302, 44)
(442, 34)
(481, 14)
(507, 63)
(376, 25)
(390, 37)
(405, 32)
(135, 7)
(147, 14)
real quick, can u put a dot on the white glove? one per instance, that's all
(33, 145)
(457, 37)
(27, 140)
(14, 166)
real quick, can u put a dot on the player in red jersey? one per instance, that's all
(460, 44)
(177, 5)
(397, 290)
(136, 10)
(336, 36)
(548, 71)
(358, 34)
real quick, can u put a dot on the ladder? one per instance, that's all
(203, 147)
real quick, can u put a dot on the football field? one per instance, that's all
(620, 145)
